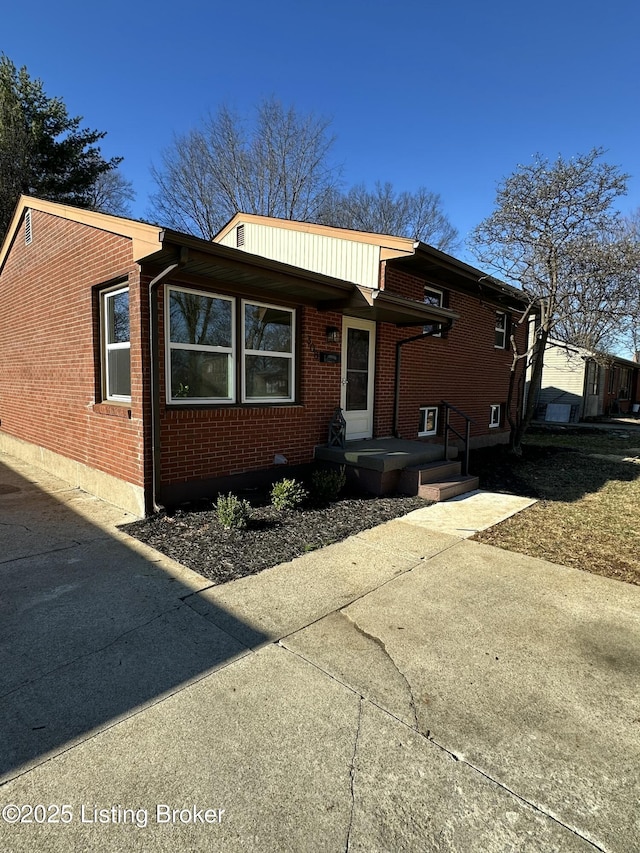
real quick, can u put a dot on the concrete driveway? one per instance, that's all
(405, 690)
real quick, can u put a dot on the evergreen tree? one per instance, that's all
(43, 151)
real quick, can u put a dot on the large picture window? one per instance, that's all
(200, 351)
(204, 362)
(116, 345)
(268, 353)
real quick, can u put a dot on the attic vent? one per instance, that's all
(240, 235)
(28, 233)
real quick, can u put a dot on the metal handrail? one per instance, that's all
(448, 427)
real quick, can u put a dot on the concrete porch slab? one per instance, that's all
(383, 454)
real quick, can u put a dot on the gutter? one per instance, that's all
(437, 330)
(154, 383)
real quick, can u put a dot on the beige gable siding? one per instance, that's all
(348, 260)
(562, 378)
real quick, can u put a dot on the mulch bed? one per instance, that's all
(193, 536)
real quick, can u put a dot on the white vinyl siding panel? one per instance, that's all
(346, 260)
(562, 377)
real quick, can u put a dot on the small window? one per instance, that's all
(501, 330)
(268, 353)
(495, 413)
(428, 424)
(593, 378)
(117, 345)
(625, 383)
(434, 297)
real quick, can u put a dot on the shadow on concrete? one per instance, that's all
(93, 627)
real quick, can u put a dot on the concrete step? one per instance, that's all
(448, 488)
(415, 476)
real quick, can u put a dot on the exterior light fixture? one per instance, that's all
(333, 334)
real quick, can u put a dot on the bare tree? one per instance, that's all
(111, 193)
(553, 234)
(418, 215)
(630, 326)
(277, 165)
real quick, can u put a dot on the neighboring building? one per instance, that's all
(149, 366)
(578, 384)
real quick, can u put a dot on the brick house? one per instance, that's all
(149, 366)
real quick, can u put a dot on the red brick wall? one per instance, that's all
(206, 442)
(611, 403)
(463, 367)
(49, 346)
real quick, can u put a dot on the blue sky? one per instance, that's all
(448, 96)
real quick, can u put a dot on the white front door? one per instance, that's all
(358, 365)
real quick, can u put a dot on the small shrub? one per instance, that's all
(233, 513)
(288, 494)
(328, 483)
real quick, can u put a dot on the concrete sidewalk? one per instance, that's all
(405, 689)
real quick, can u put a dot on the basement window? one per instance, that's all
(495, 412)
(428, 424)
(116, 345)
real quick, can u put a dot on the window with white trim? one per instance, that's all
(204, 362)
(434, 297)
(200, 334)
(428, 420)
(495, 412)
(501, 330)
(116, 372)
(268, 353)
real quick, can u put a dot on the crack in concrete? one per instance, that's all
(378, 641)
(353, 776)
(53, 550)
(459, 758)
(87, 654)
(429, 737)
(14, 524)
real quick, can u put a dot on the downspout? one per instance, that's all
(437, 330)
(154, 382)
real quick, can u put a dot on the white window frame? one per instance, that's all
(440, 294)
(171, 346)
(424, 417)
(107, 347)
(271, 353)
(500, 329)
(495, 415)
